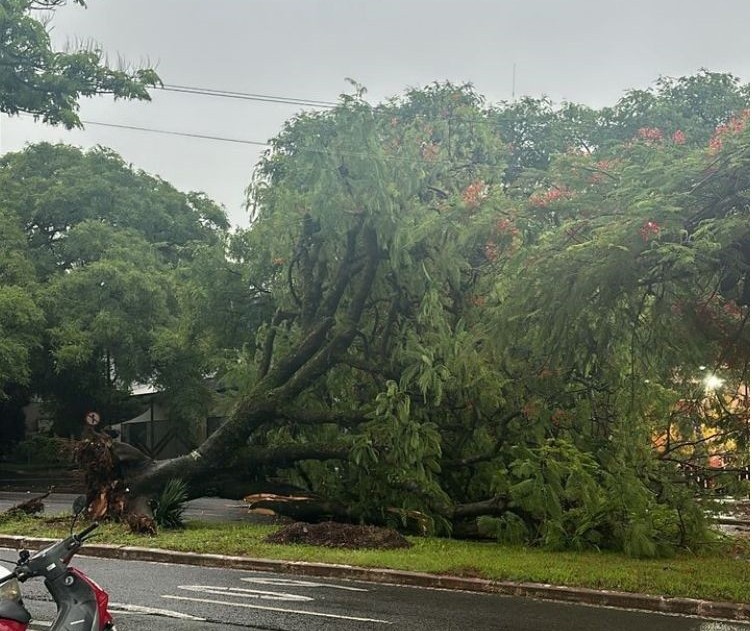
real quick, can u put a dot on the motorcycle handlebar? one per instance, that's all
(93, 526)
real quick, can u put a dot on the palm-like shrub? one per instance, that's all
(169, 506)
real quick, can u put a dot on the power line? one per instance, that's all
(323, 151)
(258, 143)
(247, 96)
(177, 133)
(314, 103)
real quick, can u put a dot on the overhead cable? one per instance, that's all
(246, 96)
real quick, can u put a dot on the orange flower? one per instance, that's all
(491, 251)
(475, 193)
(649, 229)
(735, 125)
(650, 134)
(544, 199)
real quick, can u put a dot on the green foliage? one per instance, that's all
(168, 507)
(542, 273)
(48, 84)
(20, 316)
(42, 450)
(19, 319)
(395, 460)
(95, 280)
(537, 131)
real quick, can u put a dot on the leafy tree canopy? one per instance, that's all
(99, 249)
(48, 84)
(513, 340)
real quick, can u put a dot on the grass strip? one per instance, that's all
(720, 572)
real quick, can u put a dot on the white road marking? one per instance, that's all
(287, 582)
(124, 608)
(245, 593)
(277, 609)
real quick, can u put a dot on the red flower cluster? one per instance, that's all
(544, 199)
(650, 134)
(736, 125)
(601, 166)
(430, 151)
(678, 137)
(558, 416)
(506, 226)
(649, 230)
(475, 193)
(491, 251)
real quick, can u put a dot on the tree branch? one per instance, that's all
(492, 506)
(308, 417)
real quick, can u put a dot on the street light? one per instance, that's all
(712, 382)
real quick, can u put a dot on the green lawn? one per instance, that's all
(721, 572)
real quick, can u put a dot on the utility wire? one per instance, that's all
(246, 96)
(284, 100)
(258, 143)
(168, 132)
(323, 151)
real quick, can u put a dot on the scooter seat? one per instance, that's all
(12, 610)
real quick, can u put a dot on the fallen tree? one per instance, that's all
(492, 360)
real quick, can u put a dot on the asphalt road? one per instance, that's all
(185, 598)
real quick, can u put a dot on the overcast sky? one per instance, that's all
(587, 51)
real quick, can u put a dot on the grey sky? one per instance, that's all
(588, 51)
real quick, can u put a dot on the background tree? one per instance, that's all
(103, 246)
(695, 106)
(48, 84)
(20, 327)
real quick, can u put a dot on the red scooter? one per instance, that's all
(81, 603)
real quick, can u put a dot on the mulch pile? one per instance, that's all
(334, 535)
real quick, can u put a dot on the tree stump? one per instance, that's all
(105, 488)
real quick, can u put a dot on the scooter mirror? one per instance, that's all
(79, 504)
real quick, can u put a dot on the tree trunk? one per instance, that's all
(319, 350)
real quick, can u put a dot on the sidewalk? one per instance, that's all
(599, 598)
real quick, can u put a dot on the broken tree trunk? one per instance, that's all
(300, 507)
(105, 488)
(104, 464)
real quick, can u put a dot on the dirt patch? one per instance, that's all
(334, 535)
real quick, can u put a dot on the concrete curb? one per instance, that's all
(597, 597)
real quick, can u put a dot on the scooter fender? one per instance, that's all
(102, 598)
(76, 603)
